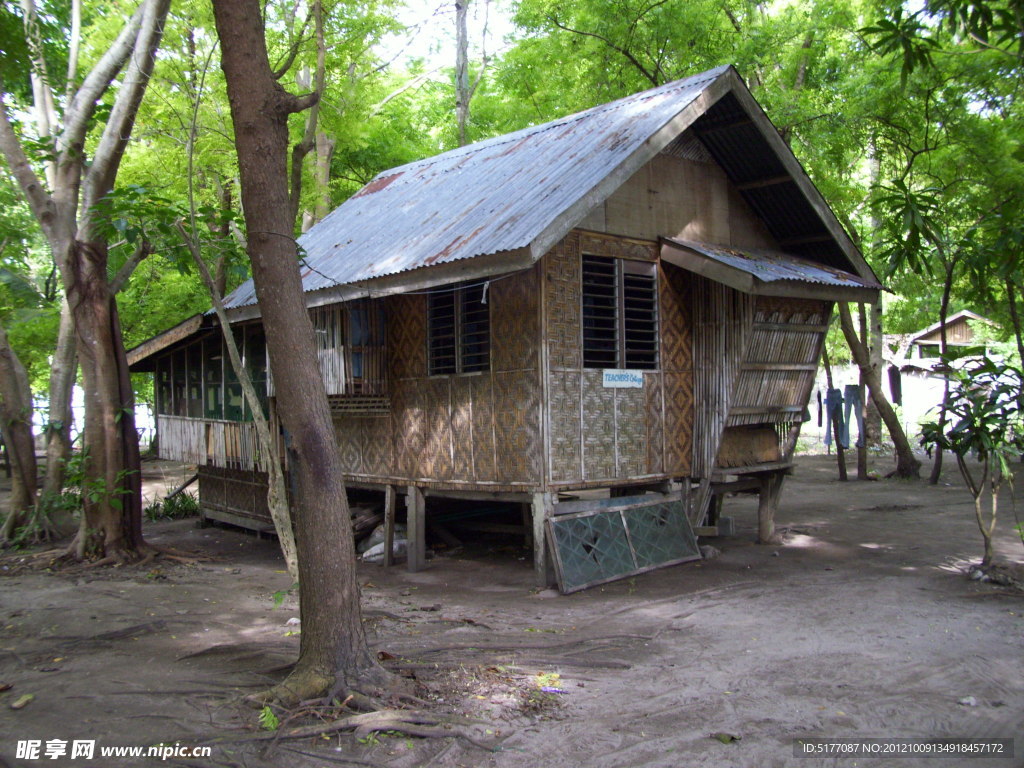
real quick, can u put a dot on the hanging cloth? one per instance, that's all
(852, 395)
(833, 414)
(896, 385)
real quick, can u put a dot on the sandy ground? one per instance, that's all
(860, 625)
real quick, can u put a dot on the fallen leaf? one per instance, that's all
(23, 702)
(725, 738)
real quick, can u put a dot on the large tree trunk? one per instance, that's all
(111, 525)
(333, 653)
(16, 426)
(112, 500)
(907, 464)
(63, 367)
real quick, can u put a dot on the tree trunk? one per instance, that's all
(947, 288)
(462, 93)
(907, 464)
(63, 367)
(112, 497)
(277, 492)
(16, 426)
(872, 419)
(333, 653)
(862, 440)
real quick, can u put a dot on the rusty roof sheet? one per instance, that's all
(770, 266)
(490, 197)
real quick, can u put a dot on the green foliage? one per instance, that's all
(174, 508)
(986, 414)
(269, 721)
(986, 419)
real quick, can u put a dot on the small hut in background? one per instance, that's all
(633, 298)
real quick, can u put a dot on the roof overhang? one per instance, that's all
(761, 272)
(140, 358)
(410, 281)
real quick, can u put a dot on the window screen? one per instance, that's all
(620, 313)
(458, 330)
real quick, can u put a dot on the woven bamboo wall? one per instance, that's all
(235, 492)
(481, 429)
(599, 434)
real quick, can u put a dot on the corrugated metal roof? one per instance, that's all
(771, 266)
(494, 196)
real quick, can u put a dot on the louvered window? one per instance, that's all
(458, 330)
(620, 314)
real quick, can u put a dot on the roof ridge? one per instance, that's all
(505, 138)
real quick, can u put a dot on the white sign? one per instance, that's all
(617, 378)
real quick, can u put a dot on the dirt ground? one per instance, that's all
(861, 624)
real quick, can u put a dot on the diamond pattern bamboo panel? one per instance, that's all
(598, 428)
(676, 342)
(515, 321)
(630, 432)
(407, 336)
(654, 405)
(564, 409)
(562, 286)
(462, 428)
(612, 542)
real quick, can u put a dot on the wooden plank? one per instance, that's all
(779, 367)
(791, 327)
(768, 467)
(543, 508)
(417, 531)
(390, 498)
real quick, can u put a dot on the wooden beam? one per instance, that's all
(417, 530)
(767, 504)
(805, 240)
(543, 508)
(791, 327)
(771, 181)
(390, 499)
(779, 367)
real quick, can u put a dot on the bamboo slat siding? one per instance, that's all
(780, 363)
(722, 325)
(336, 347)
(226, 444)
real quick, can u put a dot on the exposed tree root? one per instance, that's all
(409, 722)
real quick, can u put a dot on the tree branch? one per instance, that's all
(99, 179)
(31, 185)
(120, 280)
(82, 105)
(629, 56)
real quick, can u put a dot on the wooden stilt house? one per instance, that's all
(631, 298)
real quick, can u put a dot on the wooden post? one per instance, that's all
(543, 508)
(389, 526)
(417, 530)
(767, 503)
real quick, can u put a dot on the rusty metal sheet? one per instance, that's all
(770, 266)
(493, 196)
